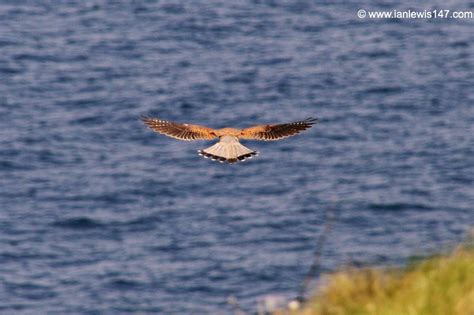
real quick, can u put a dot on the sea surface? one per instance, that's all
(99, 215)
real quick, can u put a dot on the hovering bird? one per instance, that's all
(228, 149)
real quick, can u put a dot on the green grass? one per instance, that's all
(440, 285)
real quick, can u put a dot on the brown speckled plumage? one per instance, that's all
(228, 149)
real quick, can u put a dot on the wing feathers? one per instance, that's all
(277, 132)
(179, 131)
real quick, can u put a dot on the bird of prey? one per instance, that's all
(228, 149)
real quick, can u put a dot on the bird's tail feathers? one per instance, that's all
(228, 152)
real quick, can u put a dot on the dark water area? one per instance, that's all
(99, 215)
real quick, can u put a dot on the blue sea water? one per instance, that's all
(99, 215)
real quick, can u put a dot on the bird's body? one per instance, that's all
(228, 149)
(228, 132)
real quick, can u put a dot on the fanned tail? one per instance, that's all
(229, 150)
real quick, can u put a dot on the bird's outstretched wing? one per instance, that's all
(277, 132)
(179, 131)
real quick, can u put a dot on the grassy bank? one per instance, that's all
(441, 285)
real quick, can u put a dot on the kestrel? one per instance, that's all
(228, 149)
